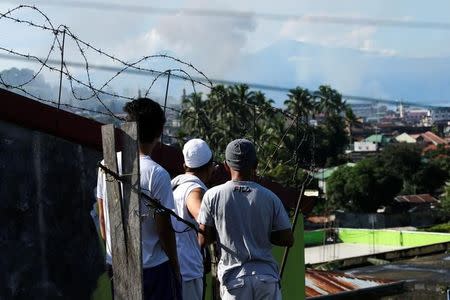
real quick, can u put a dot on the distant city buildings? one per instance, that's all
(417, 117)
(394, 121)
(440, 115)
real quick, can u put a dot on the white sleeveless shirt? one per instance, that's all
(188, 249)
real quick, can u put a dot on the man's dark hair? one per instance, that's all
(148, 115)
(201, 168)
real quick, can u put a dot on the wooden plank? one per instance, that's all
(117, 233)
(132, 209)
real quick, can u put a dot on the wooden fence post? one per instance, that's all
(124, 211)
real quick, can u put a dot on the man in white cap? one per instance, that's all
(188, 190)
(248, 219)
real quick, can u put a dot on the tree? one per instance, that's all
(285, 141)
(351, 120)
(298, 138)
(331, 141)
(194, 116)
(402, 160)
(330, 101)
(362, 188)
(299, 103)
(428, 179)
(419, 175)
(445, 199)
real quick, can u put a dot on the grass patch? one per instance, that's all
(445, 227)
(103, 291)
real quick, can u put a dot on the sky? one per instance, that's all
(219, 45)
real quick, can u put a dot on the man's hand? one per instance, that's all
(206, 235)
(283, 238)
(101, 218)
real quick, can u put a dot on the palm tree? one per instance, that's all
(299, 103)
(262, 114)
(241, 108)
(220, 106)
(351, 120)
(330, 101)
(194, 115)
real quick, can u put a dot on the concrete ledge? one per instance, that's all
(389, 255)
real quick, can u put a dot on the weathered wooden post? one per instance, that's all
(124, 210)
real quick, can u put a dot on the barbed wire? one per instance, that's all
(65, 31)
(62, 29)
(62, 34)
(96, 93)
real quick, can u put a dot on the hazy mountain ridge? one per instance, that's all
(291, 63)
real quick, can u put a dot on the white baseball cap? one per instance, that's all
(196, 153)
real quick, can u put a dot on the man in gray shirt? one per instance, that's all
(248, 219)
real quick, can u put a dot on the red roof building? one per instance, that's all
(416, 199)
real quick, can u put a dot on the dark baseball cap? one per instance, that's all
(240, 155)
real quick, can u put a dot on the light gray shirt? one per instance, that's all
(244, 214)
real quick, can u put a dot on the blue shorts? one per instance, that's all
(159, 283)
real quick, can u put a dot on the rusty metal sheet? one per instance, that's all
(325, 283)
(422, 198)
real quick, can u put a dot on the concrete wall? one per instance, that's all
(314, 237)
(392, 237)
(49, 247)
(360, 220)
(365, 147)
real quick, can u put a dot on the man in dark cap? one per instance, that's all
(248, 219)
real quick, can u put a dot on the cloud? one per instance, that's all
(136, 47)
(333, 62)
(214, 45)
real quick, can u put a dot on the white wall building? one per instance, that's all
(365, 147)
(440, 115)
(417, 116)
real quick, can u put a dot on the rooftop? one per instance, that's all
(378, 138)
(422, 198)
(321, 283)
(433, 138)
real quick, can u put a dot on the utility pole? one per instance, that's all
(124, 210)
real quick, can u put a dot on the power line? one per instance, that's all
(195, 12)
(202, 79)
(253, 85)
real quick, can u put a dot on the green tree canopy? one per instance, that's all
(364, 187)
(285, 140)
(375, 181)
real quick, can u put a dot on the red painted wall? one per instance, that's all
(34, 115)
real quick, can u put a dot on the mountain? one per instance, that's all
(352, 72)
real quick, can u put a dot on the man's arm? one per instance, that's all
(167, 238)
(194, 201)
(206, 235)
(283, 238)
(101, 218)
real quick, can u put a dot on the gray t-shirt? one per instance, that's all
(244, 214)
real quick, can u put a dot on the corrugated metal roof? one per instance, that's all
(422, 198)
(433, 138)
(378, 138)
(327, 283)
(325, 173)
